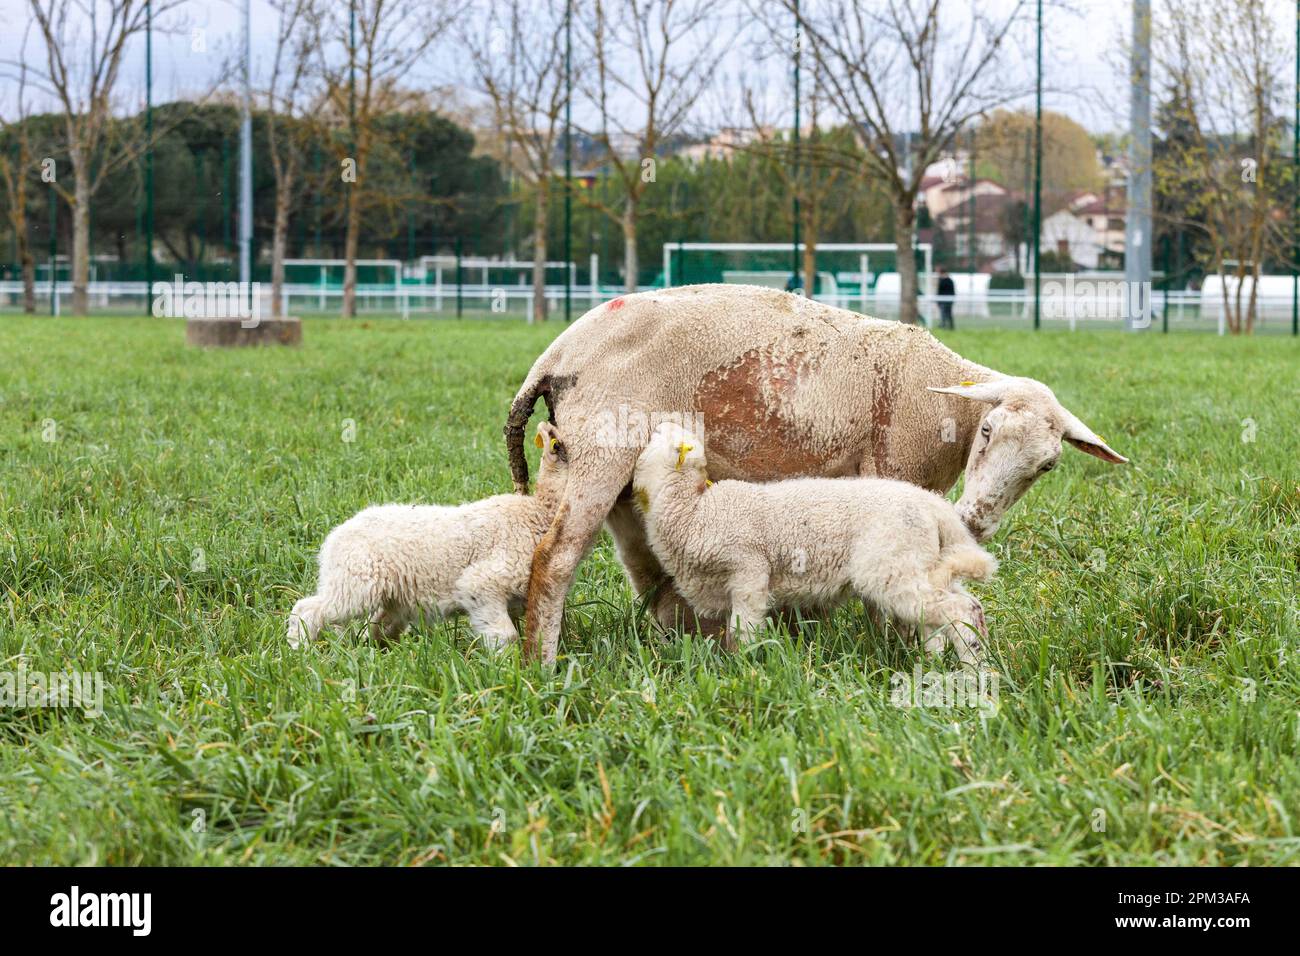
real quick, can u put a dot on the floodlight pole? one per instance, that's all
(568, 166)
(148, 156)
(1138, 231)
(794, 245)
(1038, 166)
(246, 159)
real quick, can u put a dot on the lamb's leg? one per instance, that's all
(491, 622)
(964, 629)
(305, 621)
(749, 599)
(646, 573)
(899, 585)
(329, 607)
(481, 590)
(589, 496)
(388, 624)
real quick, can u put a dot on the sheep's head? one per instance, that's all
(671, 451)
(1018, 441)
(554, 471)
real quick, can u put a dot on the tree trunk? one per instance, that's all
(279, 241)
(904, 234)
(81, 241)
(539, 253)
(29, 275)
(631, 267)
(350, 243)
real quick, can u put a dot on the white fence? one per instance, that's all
(1011, 308)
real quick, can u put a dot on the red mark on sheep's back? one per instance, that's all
(615, 304)
(746, 408)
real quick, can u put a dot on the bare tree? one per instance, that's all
(383, 42)
(518, 61)
(908, 75)
(1221, 170)
(815, 170)
(286, 104)
(84, 44)
(15, 171)
(651, 61)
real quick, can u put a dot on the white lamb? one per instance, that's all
(391, 561)
(734, 548)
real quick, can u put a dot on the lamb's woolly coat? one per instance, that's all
(389, 562)
(734, 548)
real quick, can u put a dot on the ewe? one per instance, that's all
(735, 547)
(391, 561)
(786, 388)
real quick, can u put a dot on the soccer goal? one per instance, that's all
(490, 273)
(847, 273)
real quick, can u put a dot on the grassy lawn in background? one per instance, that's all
(1144, 631)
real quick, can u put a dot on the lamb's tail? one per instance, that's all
(960, 557)
(521, 409)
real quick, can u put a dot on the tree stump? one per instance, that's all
(231, 333)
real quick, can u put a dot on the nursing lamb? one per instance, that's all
(734, 548)
(390, 562)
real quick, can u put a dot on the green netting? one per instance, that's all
(329, 274)
(839, 271)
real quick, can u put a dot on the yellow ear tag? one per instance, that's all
(708, 482)
(554, 442)
(537, 440)
(682, 449)
(967, 384)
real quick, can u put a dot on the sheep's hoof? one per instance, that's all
(496, 643)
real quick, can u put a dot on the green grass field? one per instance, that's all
(1144, 631)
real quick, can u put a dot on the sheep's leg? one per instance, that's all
(749, 599)
(305, 621)
(588, 498)
(899, 585)
(951, 618)
(645, 573)
(492, 623)
(329, 607)
(480, 592)
(964, 629)
(388, 624)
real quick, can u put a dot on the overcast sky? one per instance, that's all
(1083, 46)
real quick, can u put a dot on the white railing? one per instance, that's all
(1011, 307)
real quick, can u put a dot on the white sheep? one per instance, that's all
(734, 548)
(389, 562)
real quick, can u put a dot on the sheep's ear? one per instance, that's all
(1086, 440)
(991, 392)
(548, 439)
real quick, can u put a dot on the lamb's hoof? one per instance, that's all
(496, 643)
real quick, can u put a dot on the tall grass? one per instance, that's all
(1144, 631)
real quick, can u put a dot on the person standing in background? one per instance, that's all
(947, 292)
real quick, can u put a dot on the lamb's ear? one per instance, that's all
(1086, 440)
(548, 439)
(991, 391)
